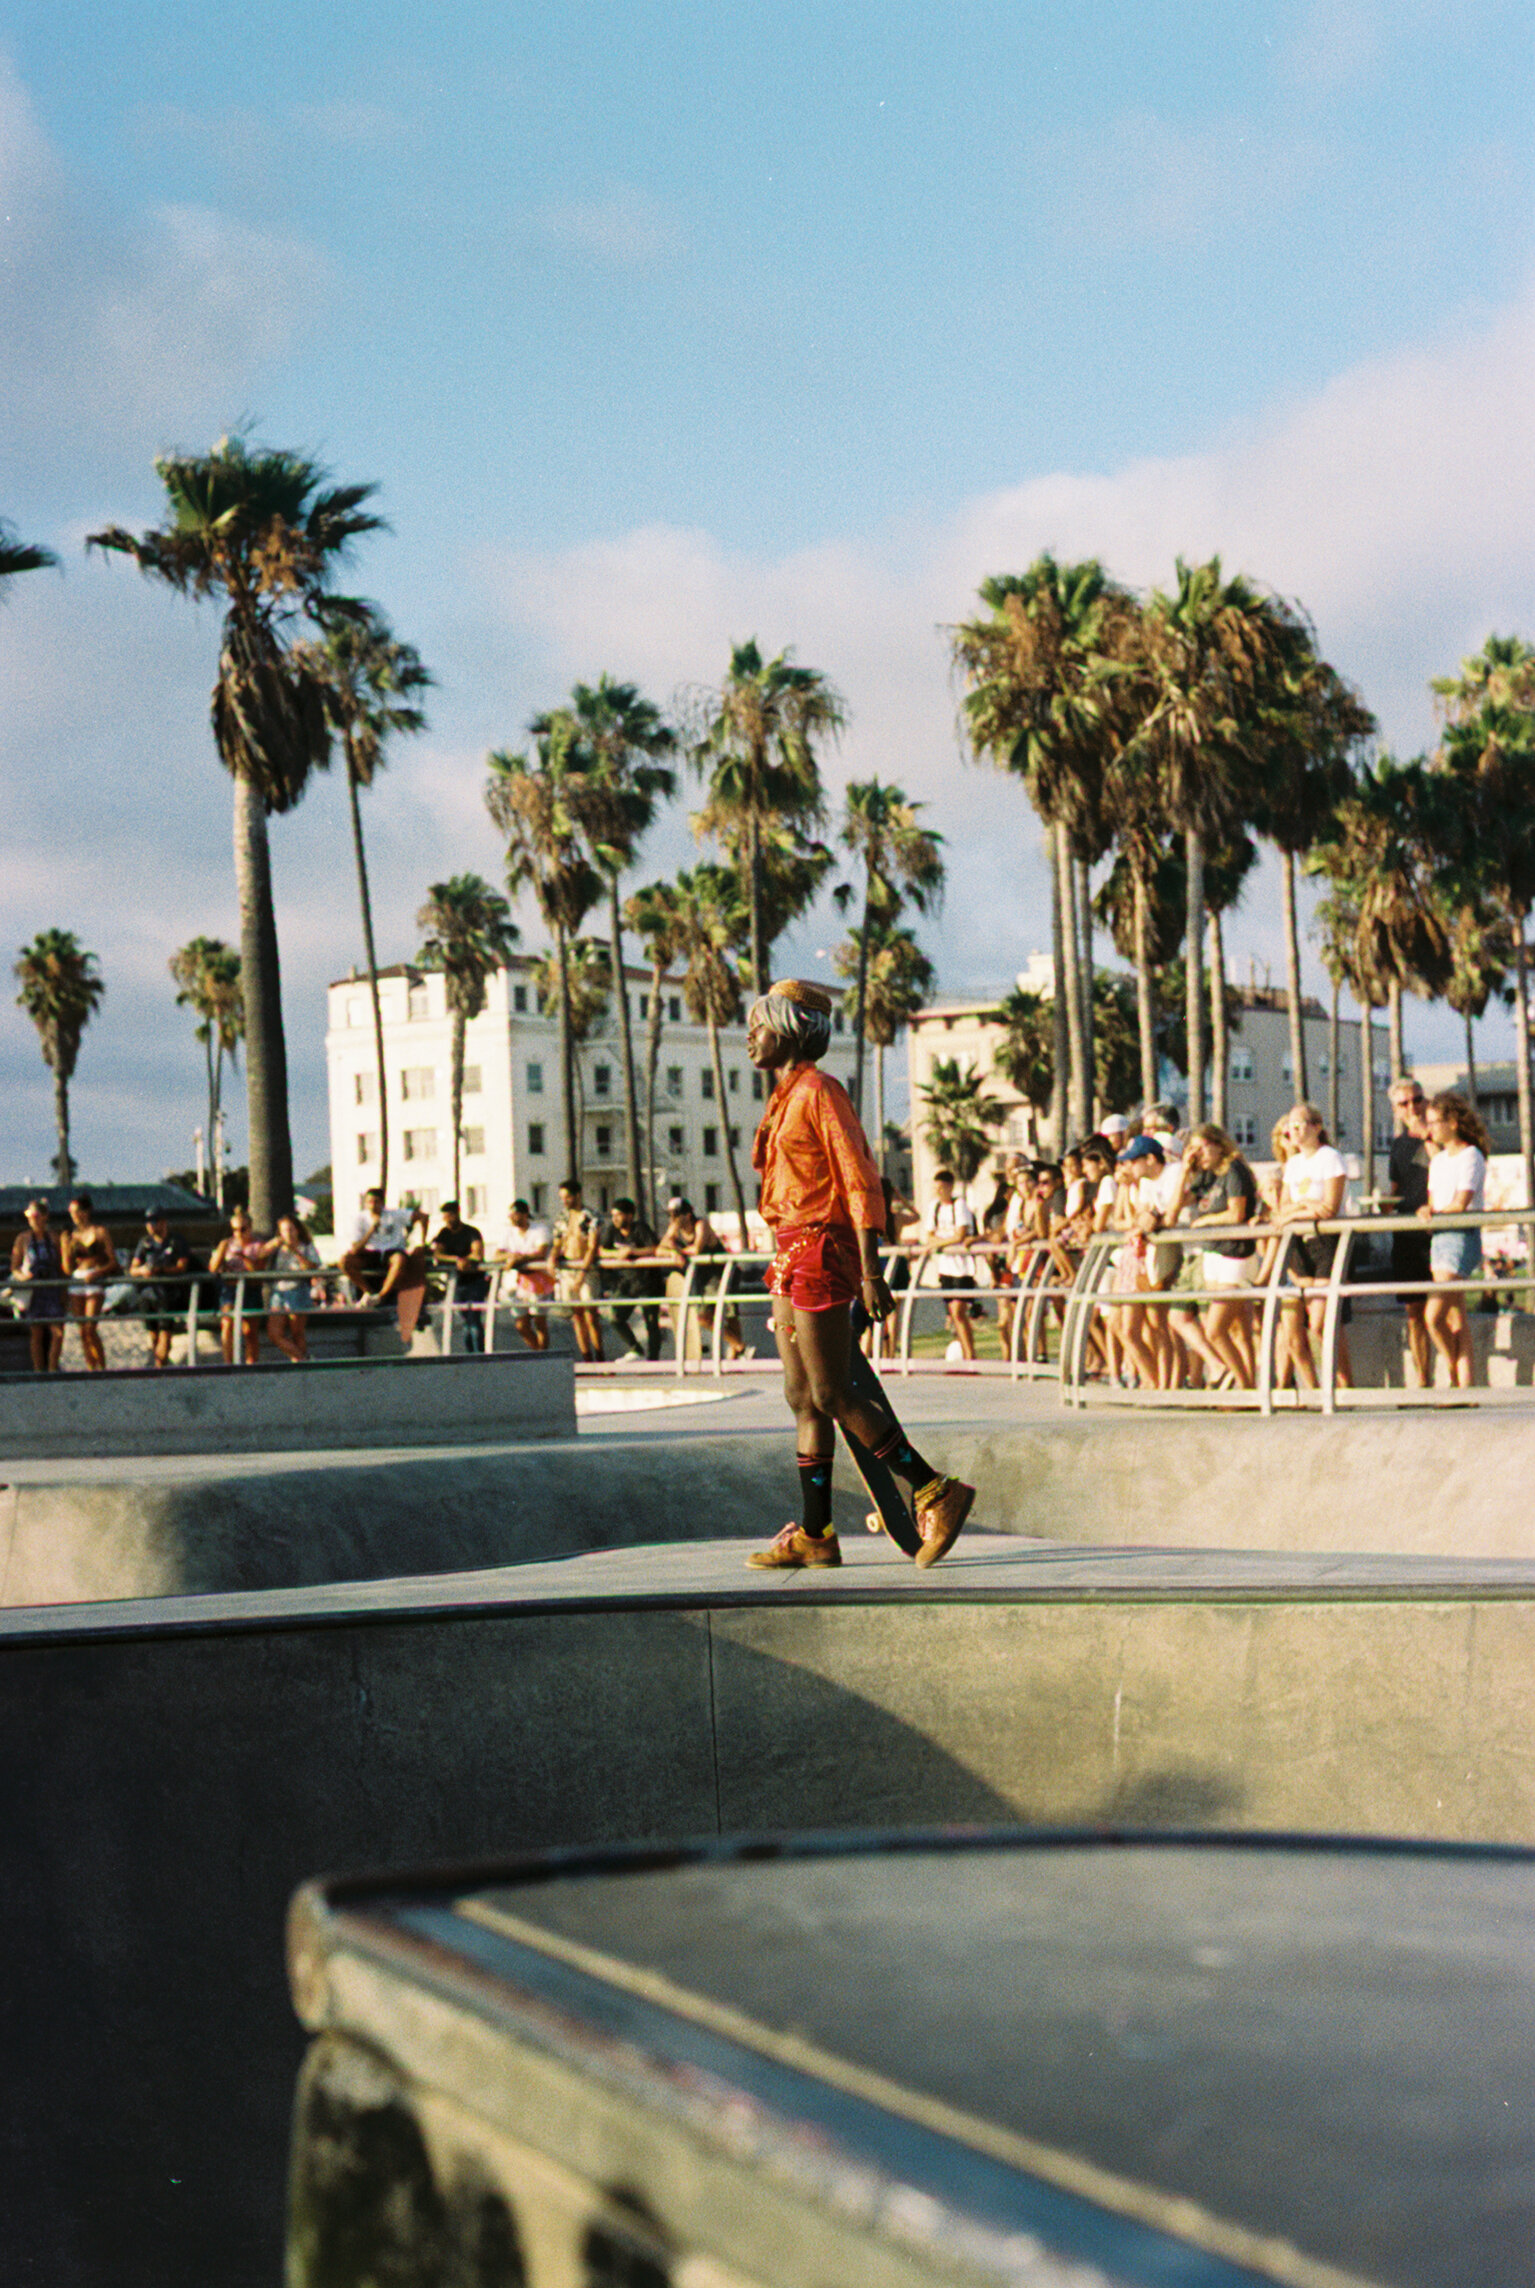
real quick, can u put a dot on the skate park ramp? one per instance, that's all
(175, 1767)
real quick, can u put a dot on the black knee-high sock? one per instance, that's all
(815, 1492)
(899, 1454)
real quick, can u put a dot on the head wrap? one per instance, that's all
(799, 1012)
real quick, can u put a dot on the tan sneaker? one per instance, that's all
(794, 1548)
(942, 1509)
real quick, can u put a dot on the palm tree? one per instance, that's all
(1213, 655)
(1481, 956)
(714, 922)
(655, 916)
(531, 804)
(1045, 670)
(960, 1116)
(60, 991)
(262, 531)
(1227, 866)
(1025, 1054)
(620, 737)
(754, 743)
(901, 861)
(208, 973)
(582, 982)
(1346, 954)
(897, 978)
(18, 556)
(368, 683)
(1144, 906)
(1488, 757)
(469, 932)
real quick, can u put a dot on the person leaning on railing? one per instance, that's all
(1222, 1189)
(1457, 1178)
(1311, 1193)
(37, 1255)
(160, 1259)
(689, 1238)
(290, 1301)
(626, 1238)
(1408, 1175)
(90, 1258)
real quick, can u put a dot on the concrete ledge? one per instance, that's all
(281, 1408)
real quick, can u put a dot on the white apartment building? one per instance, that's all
(1260, 1082)
(513, 1127)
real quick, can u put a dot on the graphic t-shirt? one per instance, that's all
(392, 1235)
(1308, 1175)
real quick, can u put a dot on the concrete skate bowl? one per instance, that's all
(172, 1770)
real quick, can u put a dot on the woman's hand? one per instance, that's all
(874, 1293)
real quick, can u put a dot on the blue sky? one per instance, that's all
(660, 326)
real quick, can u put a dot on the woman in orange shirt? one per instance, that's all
(822, 1199)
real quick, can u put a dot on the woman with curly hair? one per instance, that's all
(1457, 1178)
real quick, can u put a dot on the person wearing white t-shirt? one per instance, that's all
(522, 1251)
(1311, 1192)
(952, 1219)
(1457, 1180)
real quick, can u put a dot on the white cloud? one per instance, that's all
(129, 333)
(625, 226)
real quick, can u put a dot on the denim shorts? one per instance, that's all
(1455, 1254)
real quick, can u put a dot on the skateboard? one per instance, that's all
(892, 1502)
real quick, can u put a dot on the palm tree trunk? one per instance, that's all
(1085, 982)
(1470, 1059)
(1292, 976)
(1060, 1082)
(879, 1110)
(370, 951)
(1145, 992)
(863, 985)
(1395, 1055)
(1071, 938)
(647, 1196)
(626, 1037)
(724, 1112)
(1334, 1045)
(1522, 1052)
(269, 1143)
(1219, 1047)
(62, 1160)
(456, 1090)
(567, 1053)
(1193, 950)
(1367, 1098)
(754, 885)
(213, 1092)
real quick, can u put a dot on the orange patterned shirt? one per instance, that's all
(813, 1158)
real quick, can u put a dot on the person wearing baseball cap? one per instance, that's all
(824, 1203)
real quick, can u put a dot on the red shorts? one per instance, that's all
(816, 1267)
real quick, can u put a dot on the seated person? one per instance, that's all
(381, 1262)
(688, 1235)
(160, 1257)
(458, 1247)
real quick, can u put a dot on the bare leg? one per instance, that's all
(1417, 1341)
(959, 1321)
(88, 1309)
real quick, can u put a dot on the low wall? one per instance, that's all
(282, 1408)
(166, 1779)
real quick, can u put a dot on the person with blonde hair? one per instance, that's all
(1457, 1178)
(1222, 1189)
(1311, 1192)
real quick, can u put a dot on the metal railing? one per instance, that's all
(1274, 1297)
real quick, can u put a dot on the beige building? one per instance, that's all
(1260, 1085)
(513, 1125)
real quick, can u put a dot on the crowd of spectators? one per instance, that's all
(1175, 1313)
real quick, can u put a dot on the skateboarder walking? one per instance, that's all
(821, 1197)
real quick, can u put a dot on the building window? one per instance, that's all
(474, 1199)
(674, 1009)
(1287, 1070)
(540, 1194)
(644, 1005)
(1382, 1072)
(756, 1086)
(535, 1080)
(1244, 1129)
(674, 1080)
(364, 1087)
(836, 1020)
(735, 1139)
(674, 1142)
(418, 1084)
(420, 1143)
(706, 1085)
(474, 1143)
(602, 1080)
(1242, 1065)
(423, 1199)
(474, 1083)
(604, 1141)
(711, 1199)
(357, 1010)
(367, 1150)
(520, 999)
(536, 1139)
(416, 1003)
(733, 1080)
(711, 1143)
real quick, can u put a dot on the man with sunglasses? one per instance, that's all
(1408, 1164)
